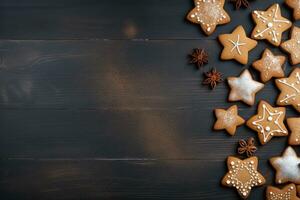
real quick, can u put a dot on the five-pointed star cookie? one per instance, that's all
(209, 14)
(290, 90)
(270, 25)
(236, 45)
(288, 192)
(268, 122)
(292, 46)
(287, 167)
(228, 119)
(243, 175)
(269, 66)
(243, 88)
(294, 4)
(294, 126)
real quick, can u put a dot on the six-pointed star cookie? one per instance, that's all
(269, 66)
(209, 14)
(270, 25)
(243, 88)
(288, 192)
(228, 119)
(290, 90)
(243, 175)
(294, 126)
(294, 4)
(268, 122)
(292, 46)
(287, 167)
(236, 45)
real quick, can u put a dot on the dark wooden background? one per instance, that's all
(98, 101)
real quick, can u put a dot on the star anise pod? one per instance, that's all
(239, 3)
(247, 147)
(213, 77)
(199, 57)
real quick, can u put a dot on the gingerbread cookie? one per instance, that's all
(287, 193)
(290, 90)
(236, 45)
(209, 14)
(228, 119)
(243, 175)
(243, 88)
(287, 167)
(292, 46)
(269, 66)
(294, 126)
(295, 5)
(270, 25)
(298, 190)
(268, 122)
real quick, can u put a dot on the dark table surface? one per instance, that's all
(98, 101)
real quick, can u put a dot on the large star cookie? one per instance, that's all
(287, 167)
(228, 119)
(243, 88)
(237, 45)
(209, 14)
(269, 66)
(243, 175)
(268, 122)
(292, 46)
(270, 25)
(294, 126)
(289, 192)
(290, 90)
(294, 4)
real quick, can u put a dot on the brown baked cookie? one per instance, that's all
(236, 45)
(228, 119)
(209, 14)
(294, 126)
(270, 25)
(288, 192)
(295, 5)
(290, 90)
(292, 46)
(268, 122)
(269, 66)
(287, 167)
(243, 175)
(298, 190)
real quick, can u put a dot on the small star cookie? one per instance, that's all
(294, 126)
(269, 66)
(243, 88)
(294, 4)
(290, 90)
(268, 122)
(287, 193)
(236, 45)
(228, 119)
(270, 25)
(287, 167)
(243, 175)
(292, 46)
(209, 14)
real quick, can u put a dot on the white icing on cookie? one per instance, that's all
(237, 44)
(294, 86)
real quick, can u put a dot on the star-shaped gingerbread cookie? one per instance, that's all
(270, 25)
(290, 90)
(243, 88)
(269, 66)
(209, 14)
(294, 126)
(243, 175)
(268, 122)
(288, 192)
(287, 167)
(228, 119)
(295, 5)
(292, 46)
(236, 45)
